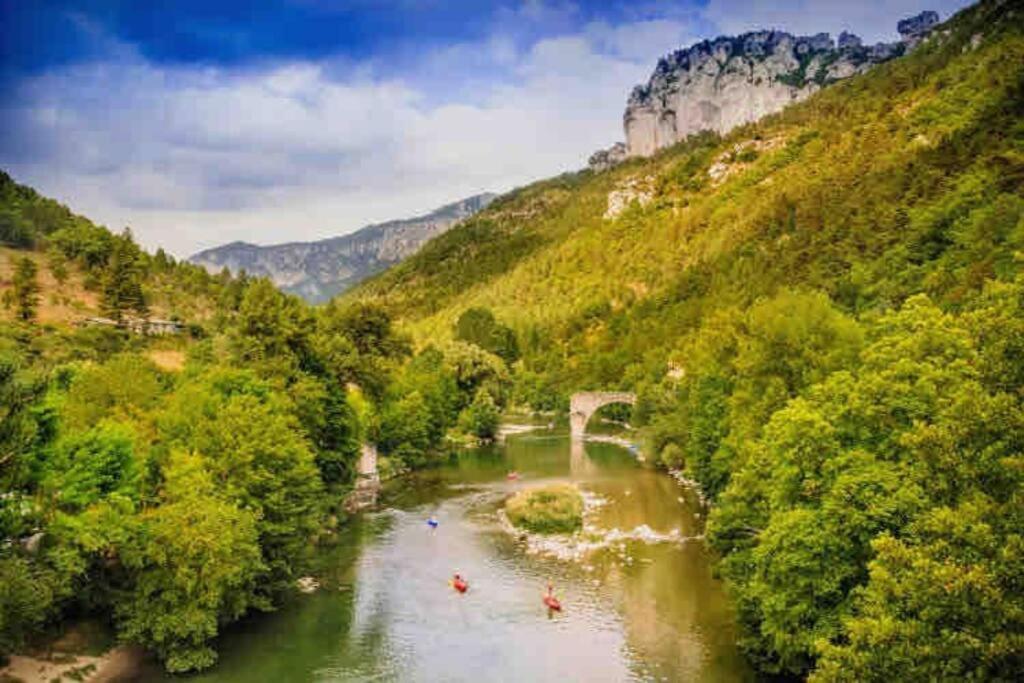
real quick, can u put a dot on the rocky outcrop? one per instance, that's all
(604, 159)
(320, 270)
(918, 26)
(717, 85)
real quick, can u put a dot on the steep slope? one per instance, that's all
(822, 316)
(72, 253)
(859, 191)
(319, 270)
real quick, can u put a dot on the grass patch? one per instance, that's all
(553, 509)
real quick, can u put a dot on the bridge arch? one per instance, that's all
(584, 404)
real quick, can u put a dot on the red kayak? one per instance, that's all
(459, 584)
(552, 603)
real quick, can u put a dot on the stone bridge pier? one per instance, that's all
(583, 405)
(367, 480)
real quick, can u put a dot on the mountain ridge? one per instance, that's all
(321, 269)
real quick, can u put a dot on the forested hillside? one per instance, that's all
(823, 314)
(170, 485)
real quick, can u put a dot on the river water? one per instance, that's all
(639, 599)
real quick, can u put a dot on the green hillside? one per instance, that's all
(165, 486)
(905, 180)
(823, 315)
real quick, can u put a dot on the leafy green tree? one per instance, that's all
(263, 462)
(481, 417)
(26, 289)
(125, 387)
(86, 467)
(672, 456)
(326, 416)
(861, 457)
(405, 426)
(479, 326)
(195, 563)
(475, 369)
(943, 603)
(15, 230)
(19, 391)
(26, 600)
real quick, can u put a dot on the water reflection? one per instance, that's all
(633, 611)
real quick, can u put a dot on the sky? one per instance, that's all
(197, 122)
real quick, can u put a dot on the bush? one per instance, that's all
(672, 456)
(553, 509)
(481, 418)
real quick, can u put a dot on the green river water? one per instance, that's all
(639, 604)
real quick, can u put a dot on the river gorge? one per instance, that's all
(639, 600)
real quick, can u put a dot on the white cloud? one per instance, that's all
(193, 157)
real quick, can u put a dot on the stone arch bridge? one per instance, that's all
(583, 405)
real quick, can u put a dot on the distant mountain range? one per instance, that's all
(319, 270)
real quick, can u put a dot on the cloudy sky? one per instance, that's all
(199, 122)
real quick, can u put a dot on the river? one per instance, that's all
(639, 602)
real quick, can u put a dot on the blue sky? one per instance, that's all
(200, 122)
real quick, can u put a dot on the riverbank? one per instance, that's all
(118, 664)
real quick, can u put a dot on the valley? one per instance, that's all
(761, 372)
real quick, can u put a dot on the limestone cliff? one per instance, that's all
(723, 83)
(319, 270)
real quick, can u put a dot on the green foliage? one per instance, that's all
(195, 564)
(478, 326)
(672, 456)
(836, 495)
(476, 370)
(18, 429)
(123, 387)
(87, 467)
(26, 598)
(122, 283)
(481, 417)
(260, 460)
(552, 509)
(26, 289)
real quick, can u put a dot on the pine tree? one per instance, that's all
(26, 289)
(122, 286)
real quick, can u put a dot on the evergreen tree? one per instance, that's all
(122, 285)
(26, 289)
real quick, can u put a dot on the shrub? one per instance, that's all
(557, 508)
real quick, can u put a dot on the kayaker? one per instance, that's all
(551, 601)
(459, 584)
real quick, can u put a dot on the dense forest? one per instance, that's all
(174, 484)
(823, 315)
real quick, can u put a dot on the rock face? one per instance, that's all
(719, 84)
(317, 271)
(604, 159)
(919, 25)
